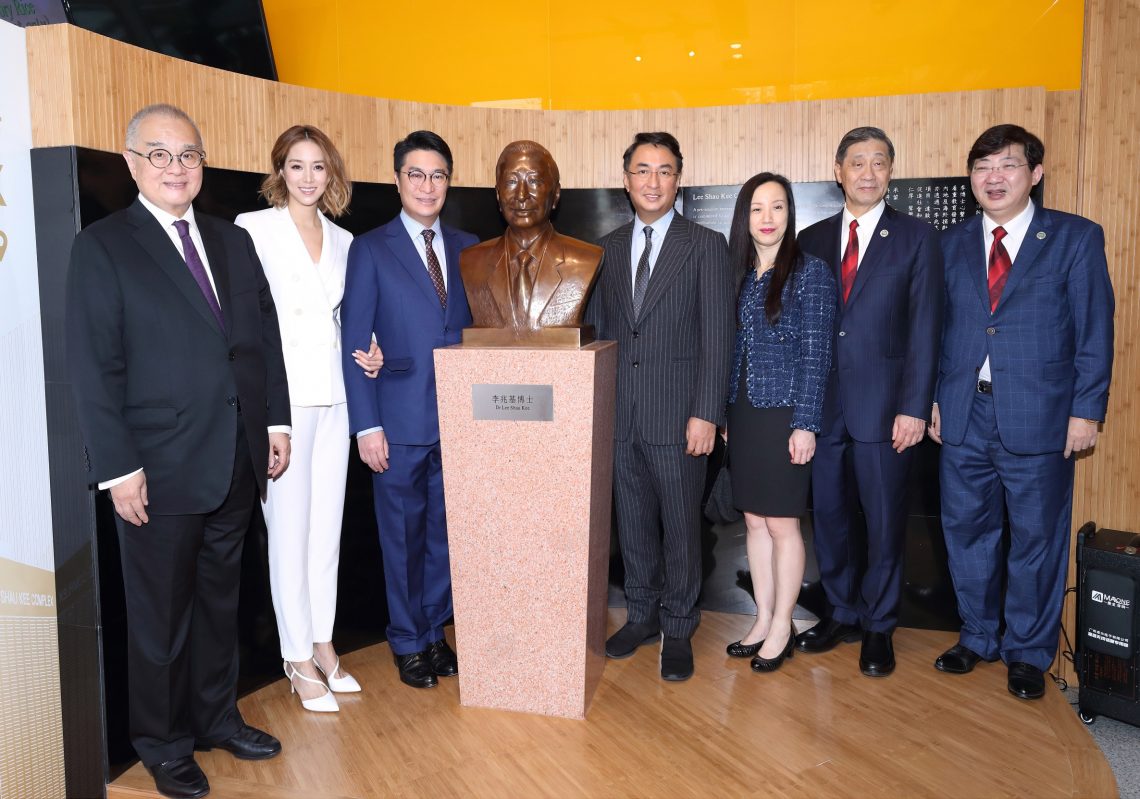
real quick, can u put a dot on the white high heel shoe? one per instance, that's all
(342, 685)
(325, 703)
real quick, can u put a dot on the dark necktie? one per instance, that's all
(999, 267)
(198, 270)
(434, 271)
(641, 279)
(850, 260)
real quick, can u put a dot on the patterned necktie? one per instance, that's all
(198, 270)
(999, 267)
(434, 271)
(850, 263)
(641, 278)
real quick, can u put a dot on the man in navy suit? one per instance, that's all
(403, 286)
(889, 271)
(1022, 385)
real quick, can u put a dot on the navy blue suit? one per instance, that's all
(388, 292)
(1049, 342)
(884, 364)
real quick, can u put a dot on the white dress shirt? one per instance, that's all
(1015, 230)
(866, 230)
(660, 228)
(416, 231)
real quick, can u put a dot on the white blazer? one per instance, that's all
(307, 297)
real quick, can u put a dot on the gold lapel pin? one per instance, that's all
(1041, 235)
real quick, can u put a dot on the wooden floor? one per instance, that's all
(815, 728)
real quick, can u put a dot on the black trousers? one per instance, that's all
(181, 576)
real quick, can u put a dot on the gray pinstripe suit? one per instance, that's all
(673, 364)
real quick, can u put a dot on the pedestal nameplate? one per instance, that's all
(512, 403)
(528, 517)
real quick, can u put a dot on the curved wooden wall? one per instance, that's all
(85, 87)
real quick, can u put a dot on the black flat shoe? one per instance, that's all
(415, 670)
(180, 778)
(1026, 681)
(441, 657)
(741, 650)
(771, 664)
(633, 634)
(827, 635)
(958, 659)
(877, 657)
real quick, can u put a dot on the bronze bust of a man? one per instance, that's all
(531, 279)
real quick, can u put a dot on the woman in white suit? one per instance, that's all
(304, 256)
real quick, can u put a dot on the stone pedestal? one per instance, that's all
(527, 440)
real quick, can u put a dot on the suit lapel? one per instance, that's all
(674, 253)
(454, 280)
(1031, 246)
(546, 282)
(973, 241)
(621, 266)
(219, 266)
(400, 243)
(153, 239)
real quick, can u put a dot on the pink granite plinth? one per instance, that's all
(528, 519)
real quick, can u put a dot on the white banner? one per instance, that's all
(25, 496)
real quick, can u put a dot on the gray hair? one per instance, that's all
(161, 110)
(857, 135)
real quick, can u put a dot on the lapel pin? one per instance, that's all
(1041, 235)
(884, 233)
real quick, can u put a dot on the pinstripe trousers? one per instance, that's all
(657, 493)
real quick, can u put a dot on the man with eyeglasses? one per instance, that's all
(182, 400)
(403, 286)
(1022, 388)
(888, 268)
(665, 294)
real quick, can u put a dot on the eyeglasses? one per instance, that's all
(416, 177)
(1000, 169)
(643, 173)
(161, 159)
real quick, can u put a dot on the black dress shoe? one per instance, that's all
(676, 659)
(959, 659)
(248, 743)
(633, 634)
(441, 657)
(737, 649)
(415, 670)
(180, 778)
(877, 657)
(771, 664)
(1026, 681)
(826, 635)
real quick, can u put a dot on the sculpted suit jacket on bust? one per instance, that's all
(158, 381)
(308, 299)
(566, 272)
(1049, 340)
(674, 358)
(884, 360)
(388, 291)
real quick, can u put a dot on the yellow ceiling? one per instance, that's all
(599, 54)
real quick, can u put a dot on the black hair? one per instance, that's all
(420, 140)
(857, 135)
(658, 139)
(999, 137)
(742, 250)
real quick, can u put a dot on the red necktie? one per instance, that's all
(850, 260)
(999, 267)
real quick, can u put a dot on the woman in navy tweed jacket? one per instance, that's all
(786, 322)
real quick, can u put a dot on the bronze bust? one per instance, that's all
(529, 285)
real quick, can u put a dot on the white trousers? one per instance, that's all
(303, 511)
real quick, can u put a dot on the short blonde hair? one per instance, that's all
(338, 193)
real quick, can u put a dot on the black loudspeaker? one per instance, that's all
(1108, 626)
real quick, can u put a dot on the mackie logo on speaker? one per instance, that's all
(1111, 601)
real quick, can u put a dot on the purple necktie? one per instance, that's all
(198, 270)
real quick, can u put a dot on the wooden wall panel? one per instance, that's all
(240, 117)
